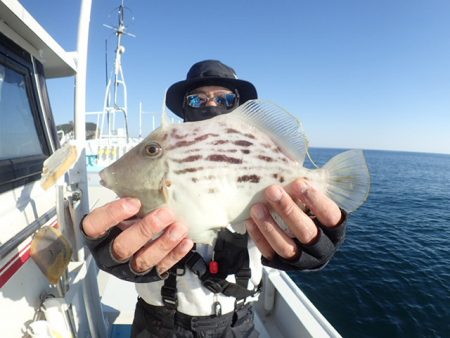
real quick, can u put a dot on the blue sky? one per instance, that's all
(370, 74)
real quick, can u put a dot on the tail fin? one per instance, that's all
(348, 179)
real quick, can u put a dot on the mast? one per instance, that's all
(115, 100)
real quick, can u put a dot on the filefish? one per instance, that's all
(211, 172)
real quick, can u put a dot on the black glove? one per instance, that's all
(101, 251)
(316, 255)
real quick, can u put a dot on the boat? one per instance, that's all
(50, 284)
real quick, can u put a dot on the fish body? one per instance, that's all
(211, 172)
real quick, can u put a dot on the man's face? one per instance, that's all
(208, 101)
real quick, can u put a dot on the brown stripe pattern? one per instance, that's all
(210, 156)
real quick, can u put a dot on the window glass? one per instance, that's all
(18, 135)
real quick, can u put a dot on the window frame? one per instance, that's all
(16, 172)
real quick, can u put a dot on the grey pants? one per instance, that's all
(157, 321)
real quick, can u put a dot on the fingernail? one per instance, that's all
(274, 194)
(164, 216)
(249, 224)
(176, 234)
(258, 211)
(301, 187)
(186, 245)
(162, 273)
(132, 205)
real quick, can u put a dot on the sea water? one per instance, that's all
(391, 277)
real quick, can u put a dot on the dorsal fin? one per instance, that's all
(280, 125)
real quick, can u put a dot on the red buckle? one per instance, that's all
(213, 267)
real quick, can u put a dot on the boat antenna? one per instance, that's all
(106, 61)
(116, 83)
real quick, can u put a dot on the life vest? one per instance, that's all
(230, 257)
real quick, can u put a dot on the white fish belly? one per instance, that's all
(216, 179)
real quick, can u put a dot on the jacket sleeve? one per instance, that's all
(314, 256)
(101, 251)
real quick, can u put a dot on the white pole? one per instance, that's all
(80, 106)
(80, 79)
(90, 292)
(80, 110)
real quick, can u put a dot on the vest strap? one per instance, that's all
(169, 292)
(214, 283)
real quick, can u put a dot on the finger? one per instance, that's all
(281, 243)
(327, 212)
(175, 255)
(136, 236)
(124, 225)
(298, 222)
(101, 219)
(154, 252)
(259, 239)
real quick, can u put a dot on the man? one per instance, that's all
(185, 289)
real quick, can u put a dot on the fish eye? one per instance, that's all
(153, 149)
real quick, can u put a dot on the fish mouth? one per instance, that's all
(103, 180)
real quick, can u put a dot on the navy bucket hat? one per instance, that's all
(208, 73)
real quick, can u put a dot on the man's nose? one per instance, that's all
(211, 102)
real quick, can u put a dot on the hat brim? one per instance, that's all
(175, 94)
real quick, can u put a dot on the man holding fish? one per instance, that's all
(217, 197)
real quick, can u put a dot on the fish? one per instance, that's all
(211, 172)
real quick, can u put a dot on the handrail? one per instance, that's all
(14, 242)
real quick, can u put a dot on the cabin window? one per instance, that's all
(23, 145)
(18, 135)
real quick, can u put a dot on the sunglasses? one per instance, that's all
(227, 100)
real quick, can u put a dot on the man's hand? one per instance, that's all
(270, 238)
(139, 239)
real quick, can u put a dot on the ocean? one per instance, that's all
(391, 277)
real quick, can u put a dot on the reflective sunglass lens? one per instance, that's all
(226, 100)
(194, 101)
(230, 100)
(197, 101)
(220, 100)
